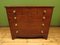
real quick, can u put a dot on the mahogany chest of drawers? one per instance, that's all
(29, 21)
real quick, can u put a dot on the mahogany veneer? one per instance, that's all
(29, 21)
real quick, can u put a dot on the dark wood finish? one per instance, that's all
(29, 22)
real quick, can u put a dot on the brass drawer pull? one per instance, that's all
(44, 11)
(14, 11)
(42, 31)
(14, 17)
(17, 31)
(43, 24)
(15, 24)
(44, 17)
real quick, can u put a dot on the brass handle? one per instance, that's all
(14, 17)
(45, 11)
(43, 24)
(14, 11)
(42, 31)
(44, 17)
(17, 31)
(15, 24)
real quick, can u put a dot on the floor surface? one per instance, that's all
(53, 38)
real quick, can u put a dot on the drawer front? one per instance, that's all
(29, 23)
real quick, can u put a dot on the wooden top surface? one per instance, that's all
(31, 6)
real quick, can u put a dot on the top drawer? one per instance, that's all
(28, 10)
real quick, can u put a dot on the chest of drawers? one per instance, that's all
(29, 21)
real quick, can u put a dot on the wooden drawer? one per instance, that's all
(29, 21)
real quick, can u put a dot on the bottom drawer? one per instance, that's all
(33, 36)
(17, 34)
